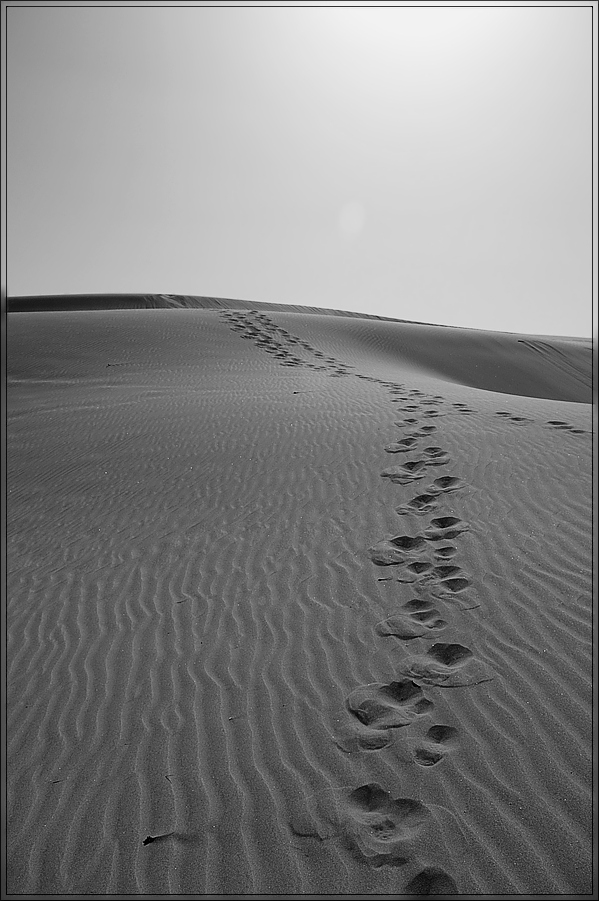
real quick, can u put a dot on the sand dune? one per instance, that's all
(297, 604)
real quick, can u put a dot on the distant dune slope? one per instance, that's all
(555, 368)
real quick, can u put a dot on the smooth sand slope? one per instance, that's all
(297, 603)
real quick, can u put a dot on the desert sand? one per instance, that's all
(297, 603)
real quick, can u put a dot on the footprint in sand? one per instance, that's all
(446, 665)
(454, 584)
(413, 470)
(518, 420)
(419, 505)
(437, 742)
(383, 706)
(445, 484)
(447, 571)
(401, 446)
(413, 623)
(560, 424)
(445, 527)
(398, 550)
(436, 456)
(446, 552)
(416, 572)
(406, 472)
(402, 423)
(431, 881)
(384, 818)
(449, 578)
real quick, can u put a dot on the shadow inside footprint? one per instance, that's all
(455, 585)
(431, 881)
(427, 756)
(451, 654)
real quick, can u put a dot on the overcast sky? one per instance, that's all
(422, 163)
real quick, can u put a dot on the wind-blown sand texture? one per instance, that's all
(297, 603)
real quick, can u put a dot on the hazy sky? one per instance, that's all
(423, 163)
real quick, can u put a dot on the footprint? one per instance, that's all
(406, 472)
(447, 571)
(398, 550)
(429, 618)
(436, 456)
(446, 665)
(445, 527)
(387, 819)
(407, 626)
(418, 604)
(399, 626)
(437, 741)
(416, 571)
(419, 505)
(380, 706)
(431, 881)
(455, 584)
(446, 552)
(381, 829)
(560, 424)
(404, 422)
(410, 625)
(447, 483)
(401, 446)
(428, 428)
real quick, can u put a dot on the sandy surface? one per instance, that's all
(296, 604)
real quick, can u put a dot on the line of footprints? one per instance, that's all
(427, 559)
(374, 825)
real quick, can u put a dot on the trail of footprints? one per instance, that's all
(286, 348)
(374, 824)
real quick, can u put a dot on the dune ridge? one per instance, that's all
(557, 368)
(213, 687)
